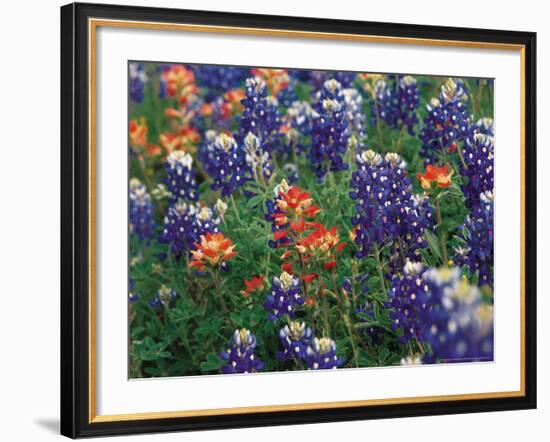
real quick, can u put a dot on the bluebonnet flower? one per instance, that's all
(486, 126)
(257, 159)
(285, 295)
(142, 222)
(180, 178)
(321, 355)
(478, 235)
(240, 357)
(295, 338)
(227, 163)
(317, 78)
(219, 79)
(260, 116)
(407, 298)
(387, 212)
(397, 101)
(163, 297)
(478, 167)
(353, 108)
(330, 133)
(184, 224)
(287, 96)
(298, 124)
(138, 78)
(458, 325)
(447, 124)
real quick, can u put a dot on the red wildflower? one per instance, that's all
(287, 267)
(330, 265)
(309, 277)
(440, 176)
(252, 284)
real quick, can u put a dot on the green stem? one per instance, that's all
(235, 208)
(442, 236)
(379, 267)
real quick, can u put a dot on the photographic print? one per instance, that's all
(286, 219)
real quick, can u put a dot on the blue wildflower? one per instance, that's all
(447, 124)
(321, 355)
(478, 234)
(240, 357)
(477, 167)
(142, 222)
(295, 339)
(397, 101)
(138, 78)
(228, 164)
(387, 212)
(184, 224)
(407, 298)
(260, 116)
(458, 325)
(219, 79)
(330, 133)
(180, 178)
(285, 295)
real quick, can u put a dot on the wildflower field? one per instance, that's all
(291, 220)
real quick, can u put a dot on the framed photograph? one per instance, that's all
(278, 220)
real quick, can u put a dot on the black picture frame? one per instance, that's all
(75, 220)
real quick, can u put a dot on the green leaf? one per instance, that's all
(213, 363)
(433, 243)
(383, 355)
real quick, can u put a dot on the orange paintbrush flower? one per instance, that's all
(275, 79)
(252, 284)
(138, 133)
(297, 202)
(213, 249)
(320, 241)
(440, 176)
(180, 82)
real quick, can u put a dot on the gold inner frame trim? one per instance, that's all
(93, 24)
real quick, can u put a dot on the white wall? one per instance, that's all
(29, 222)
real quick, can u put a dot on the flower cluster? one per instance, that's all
(330, 133)
(447, 124)
(226, 162)
(407, 299)
(142, 222)
(180, 178)
(260, 116)
(239, 356)
(478, 234)
(184, 224)
(138, 78)
(321, 355)
(179, 82)
(458, 325)
(214, 250)
(288, 213)
(478, 154)
(295, 338)
(219, 79)
(435, 177)
(396, 101)
(246, 184)
(387, 212)
(285, 295)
